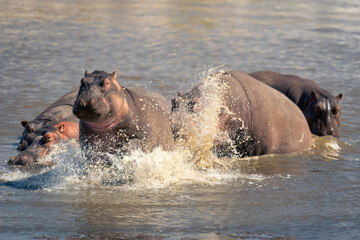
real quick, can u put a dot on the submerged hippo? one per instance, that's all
(55, 124)
(321, 108)
(114, 118)
(257, 118)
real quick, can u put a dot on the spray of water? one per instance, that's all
(200, 128)
(326, 146)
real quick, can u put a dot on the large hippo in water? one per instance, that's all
(114, 118)
(257, 118)
(55, 124)
(321, 108)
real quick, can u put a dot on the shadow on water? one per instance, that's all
(121, 235)
(36, 182)
(40, 177)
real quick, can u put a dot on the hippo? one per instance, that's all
(55, 124)
(321, 108)
(256, 118)
(116, 119)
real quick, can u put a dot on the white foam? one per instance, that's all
(14, 175)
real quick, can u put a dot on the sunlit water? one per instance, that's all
(169, 46)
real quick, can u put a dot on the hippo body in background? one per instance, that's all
(55, 124)
(161, 100)
(321, 108)
(113, 118)
(259, 120)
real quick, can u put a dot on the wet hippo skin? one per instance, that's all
(261, 119)
(114, 118)
(55, 124)
(321, 108)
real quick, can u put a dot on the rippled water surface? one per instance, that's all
(167, 46)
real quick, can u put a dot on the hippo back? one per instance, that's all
(275, 124)
(60, 109)
(164, 103)
(290, 85)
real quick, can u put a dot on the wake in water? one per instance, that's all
(326, 146)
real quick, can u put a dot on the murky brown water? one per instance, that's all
(166, 46)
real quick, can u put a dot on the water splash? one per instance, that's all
(138, 170)
(193, 161)
(327, 146)
(200, 128)
(65, 160)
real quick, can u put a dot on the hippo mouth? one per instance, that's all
(29, 157)
(103, 125)
(111, 121)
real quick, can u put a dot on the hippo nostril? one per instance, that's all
(82, 103)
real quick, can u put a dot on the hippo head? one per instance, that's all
(183, 106)
(42, 139)
(28, 135)
(323, 114)
(100, 99)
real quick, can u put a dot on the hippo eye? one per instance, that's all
(106, 83)
(190, 104)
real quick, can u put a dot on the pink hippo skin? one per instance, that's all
(55, 124)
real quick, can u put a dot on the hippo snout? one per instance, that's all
(80, 108)
(324, 132)
(21, 160)
(88, 110)
(333, 133)
(13, 160)
(82, 103)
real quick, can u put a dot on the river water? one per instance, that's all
(168, 46)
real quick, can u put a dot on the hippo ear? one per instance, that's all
(339, 97)
(61, 128)
(24, 123)
(114, 74)
(313, 94)
(86, 72)
(179, 94)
